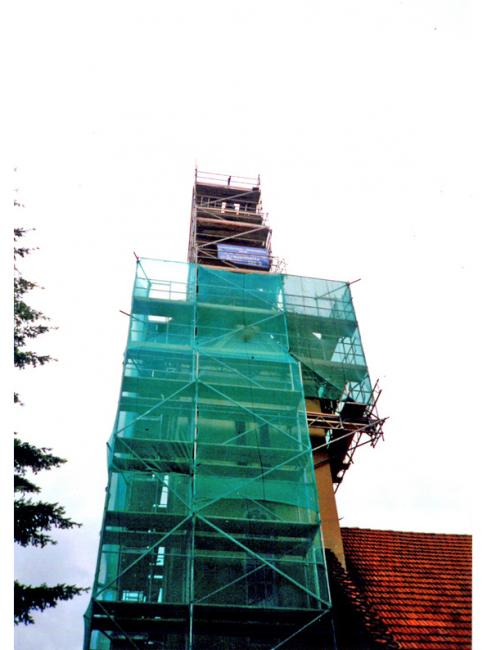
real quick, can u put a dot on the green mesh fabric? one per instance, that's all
(324, 337)
(212, 503)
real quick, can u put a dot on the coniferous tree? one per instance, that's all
(29, 323)
(33, 518)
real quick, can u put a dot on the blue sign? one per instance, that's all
(246, 255)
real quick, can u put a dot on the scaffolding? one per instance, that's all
(211, 527)
(239, 382)
(228, 227)
(340, 399)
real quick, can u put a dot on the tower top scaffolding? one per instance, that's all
(228, 226)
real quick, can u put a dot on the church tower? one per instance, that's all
(244, 396)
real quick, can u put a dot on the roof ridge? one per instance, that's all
(404, 532)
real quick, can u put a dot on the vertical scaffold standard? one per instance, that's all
(211, 535)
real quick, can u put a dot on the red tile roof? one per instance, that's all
(418, 584)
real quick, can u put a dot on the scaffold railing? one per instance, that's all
(231, 180)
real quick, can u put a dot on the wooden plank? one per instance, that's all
(232, 224)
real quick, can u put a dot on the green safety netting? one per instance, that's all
(212, 503)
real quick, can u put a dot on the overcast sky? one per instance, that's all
(358, 117)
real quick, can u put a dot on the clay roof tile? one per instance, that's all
(417, 584)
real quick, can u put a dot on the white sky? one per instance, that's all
(358, 116)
